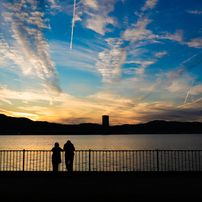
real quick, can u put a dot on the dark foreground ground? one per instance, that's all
(124, 187)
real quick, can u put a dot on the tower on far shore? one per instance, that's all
(105, 124)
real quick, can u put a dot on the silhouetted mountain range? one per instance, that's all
(24, 126)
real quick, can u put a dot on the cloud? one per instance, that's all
(109, 64)
(114, 104)
(79, 58)
(33, 57)
(98, 23)
(173, 114)
(186, 65)
(138, 31)
(170, 80)
(33, 96)
(111, 61)
(54, 4)
(196, 43)
(144, 64)
(61, 106)
(149, 4)
(177, 36)
(97, 15)
(195, 12)
(91, 3)
(179, 85)
(161, 54)
(192, 61)
(112, 100)
(14, 7)
(64, 108)
(196, 90)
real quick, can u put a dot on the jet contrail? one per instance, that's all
(73, 20)
(187, 104)
(185, 100)
(195, 64)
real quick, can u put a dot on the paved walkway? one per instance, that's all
(124, 187)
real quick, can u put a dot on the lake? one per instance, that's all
(104, 142)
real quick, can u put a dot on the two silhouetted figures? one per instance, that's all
(69, 156)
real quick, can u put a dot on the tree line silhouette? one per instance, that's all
(24, 126)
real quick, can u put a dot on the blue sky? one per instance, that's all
(73, 61)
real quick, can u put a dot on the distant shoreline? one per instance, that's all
(24, 126)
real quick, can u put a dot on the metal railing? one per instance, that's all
(104, 160)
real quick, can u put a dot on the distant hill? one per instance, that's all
(24, 126)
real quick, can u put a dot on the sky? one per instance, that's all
(72, 61)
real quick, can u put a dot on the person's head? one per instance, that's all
(56, 144)
(68, 141)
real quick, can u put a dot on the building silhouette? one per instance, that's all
(105, 124)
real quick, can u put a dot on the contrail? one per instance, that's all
(185, 100)
(198, 62)
(187, 104)
(73, 20)
(188, 64)
(193, 61)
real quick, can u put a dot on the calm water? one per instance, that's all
(115, 142)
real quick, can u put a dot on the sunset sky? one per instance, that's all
(72, 61)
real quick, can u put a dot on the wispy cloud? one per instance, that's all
(196, 43)
(125, 50)
(161, 54)
(109, 64)
(91, 3)
(65, 108)
(177, 36)
(111, 61)
(34, 57)
(79, 58)
(98, 23)
(99, 18)
(149, 4)
(138, 31)
(143, 64)
(195, 12)
(54, 4)
(62, 107)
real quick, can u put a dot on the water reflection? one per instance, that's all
(116, 142)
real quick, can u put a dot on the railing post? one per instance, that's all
(89, 160)
(157, 160)
(23, 165)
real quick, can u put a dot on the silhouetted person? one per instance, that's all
(56, 157)
(69, 155)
